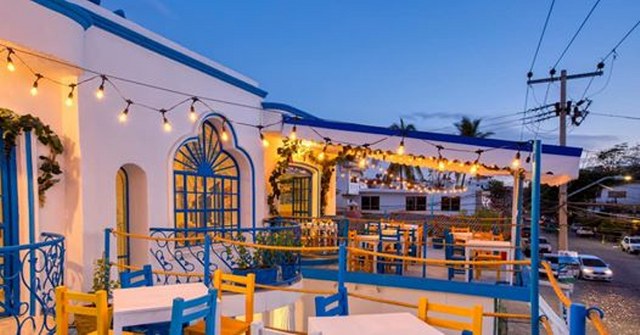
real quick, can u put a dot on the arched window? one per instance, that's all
(206, 183)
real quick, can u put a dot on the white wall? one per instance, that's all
(97, 145)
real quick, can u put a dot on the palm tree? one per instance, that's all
(469, 128)
(406, 172)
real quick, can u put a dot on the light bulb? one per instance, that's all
(293, 134)
(474, 169)
(69, 101)
(10, 66)
(166, 125)
(516, 161)
(321, 156)
(265, 143)
(100, 90)
(34, 87)
(224, 136)
(400, 150)
(125, 113)
(193, 116)
(362, 163)
(441, 165)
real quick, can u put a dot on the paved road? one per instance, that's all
(620, 299)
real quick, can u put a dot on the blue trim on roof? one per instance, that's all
(87, 18)
(516, 293)
(290, 109)
(72, 11)
(422, 135)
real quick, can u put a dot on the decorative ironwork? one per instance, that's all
(185, 261)
(39, 269)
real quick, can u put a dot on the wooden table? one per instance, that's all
(500, 246)
(146, 305)
(371, 324)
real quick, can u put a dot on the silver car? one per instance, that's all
(594, 268)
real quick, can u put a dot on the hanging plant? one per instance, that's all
(13, 125)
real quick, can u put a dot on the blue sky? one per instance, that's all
(372, 61)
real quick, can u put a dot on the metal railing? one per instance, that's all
(29, 274)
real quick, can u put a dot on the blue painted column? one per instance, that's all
(342, 264)
(32, 220)
(207, 260)
(535, 232)
(107, 253)
(577, 319)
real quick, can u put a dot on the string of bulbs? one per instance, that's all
(364, 150)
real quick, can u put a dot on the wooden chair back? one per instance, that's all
(225, 282)
(471, 327)
(341, 301)
(460, 230)
(78, 303)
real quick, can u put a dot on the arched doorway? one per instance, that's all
(296, 197)
(122, 216)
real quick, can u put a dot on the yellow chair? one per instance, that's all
(91, 304)
(472, 327)
(236, 284)
(460, 230)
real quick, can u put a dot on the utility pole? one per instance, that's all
(563, 108)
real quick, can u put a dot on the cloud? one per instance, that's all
(160, 7)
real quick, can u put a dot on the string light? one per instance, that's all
(125, 112)
(69, 101)
(10, 66)
(293, 134)
(516, 161)
(100, 90)
(441, 165)
(224, 136)
(166, 125)
(193, 116)
(400, 150)
(34, 87)
(362, 163)
(474, 169)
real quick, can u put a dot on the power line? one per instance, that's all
(544, 30)
(613, 50)
(619, 116)
(576, 34)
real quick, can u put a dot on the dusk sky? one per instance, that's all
(427, 61)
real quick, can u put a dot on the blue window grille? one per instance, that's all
(206, 183)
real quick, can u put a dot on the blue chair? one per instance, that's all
(451, 254)
(390, 243)
(341, 299)
(138, 278)
(185, 312)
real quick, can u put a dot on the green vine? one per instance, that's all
(286, 152)
(13, 125)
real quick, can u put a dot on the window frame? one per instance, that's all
(412, 203)
(370, 207)
(447, 204)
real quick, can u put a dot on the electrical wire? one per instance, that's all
(564, 52)
(544, 30)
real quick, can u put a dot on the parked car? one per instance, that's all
(585, 232)
(630, 244)
(544, 247)
(564, 266)
(594, 268)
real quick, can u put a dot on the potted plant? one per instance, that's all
(260, 262)
(86, 324)
(289, 260)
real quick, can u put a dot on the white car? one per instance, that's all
(630, 244)
(585, 232)
(594, 268)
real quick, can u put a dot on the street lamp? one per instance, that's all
(624, 178)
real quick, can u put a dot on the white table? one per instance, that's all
(371, 324)
(500, 246)
(146, 305)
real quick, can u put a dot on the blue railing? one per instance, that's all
(181, 260)
(32, 270)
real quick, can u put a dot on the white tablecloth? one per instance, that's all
(371, 324)
(145, 305)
